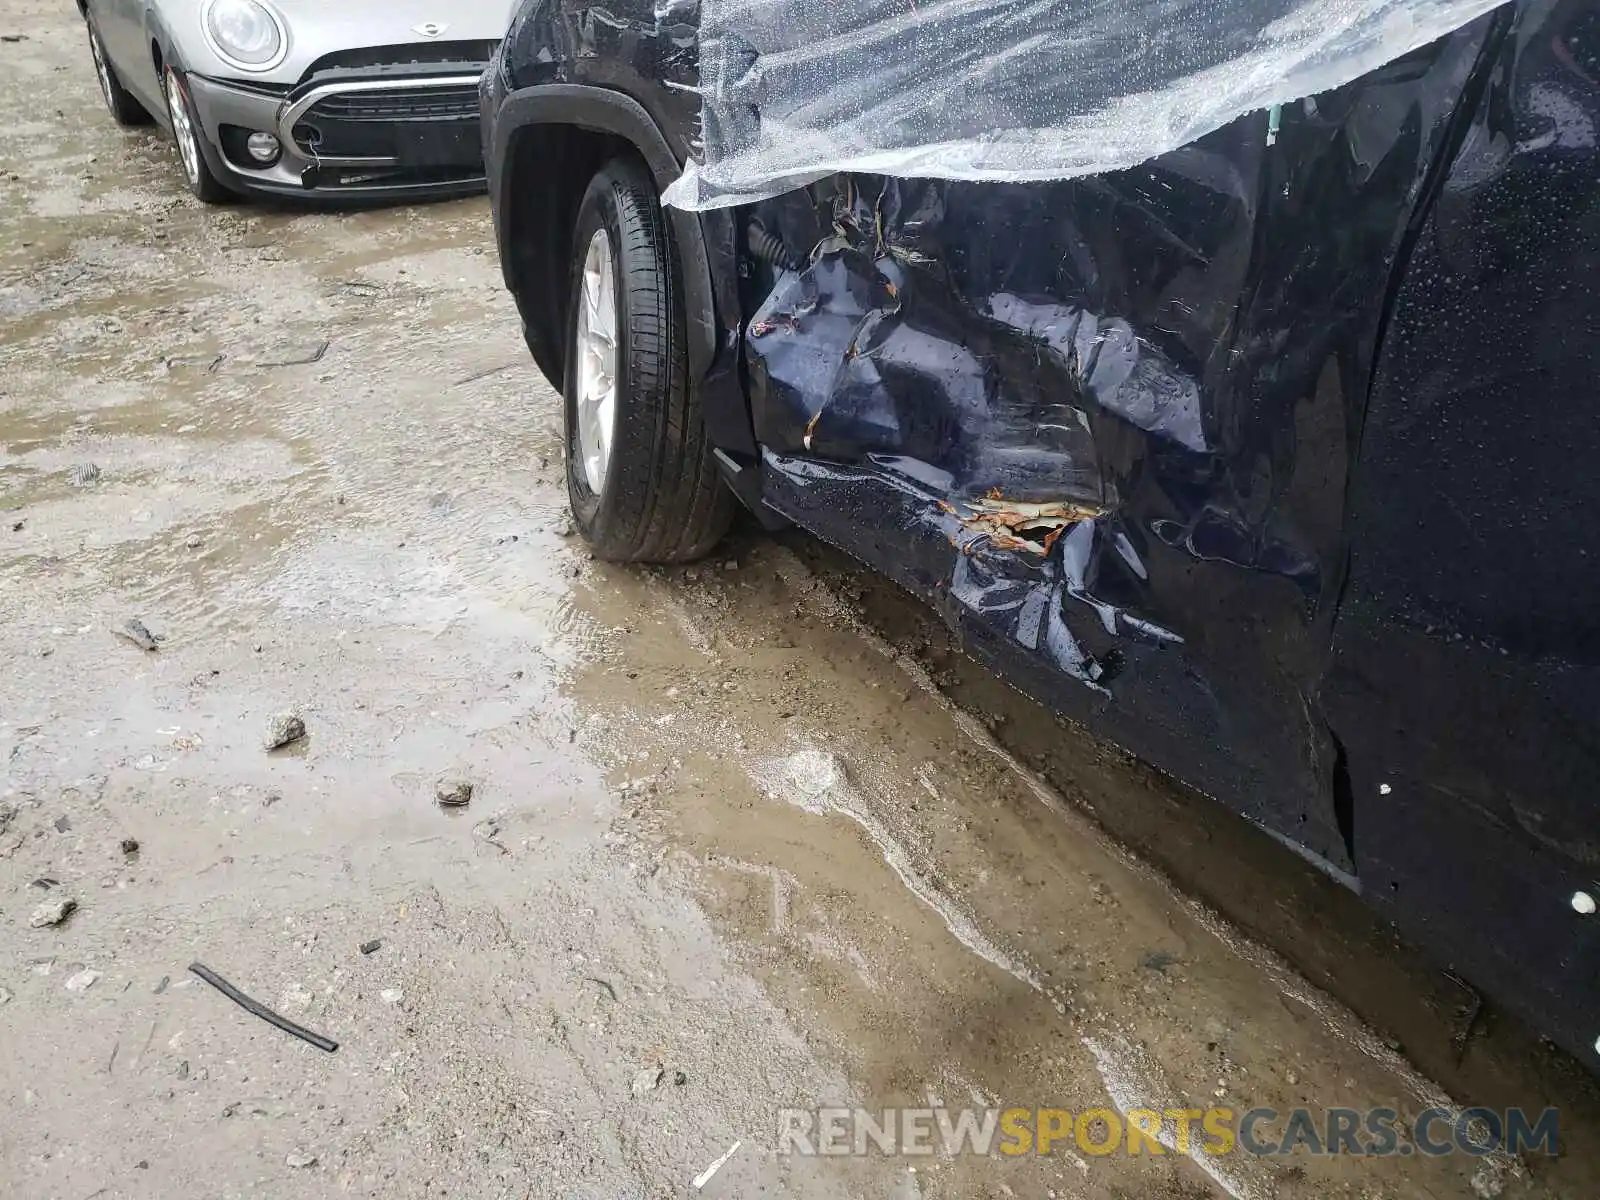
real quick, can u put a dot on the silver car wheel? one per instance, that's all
(101, 69)
(597, 361)
(183, 131)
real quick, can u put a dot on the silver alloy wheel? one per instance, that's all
(101, 68)
(183, 129)
(597, 361)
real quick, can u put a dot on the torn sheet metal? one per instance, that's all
(987, 571)
(1015, 525)
(1012, 90)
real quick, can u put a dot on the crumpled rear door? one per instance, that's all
(1107, 423)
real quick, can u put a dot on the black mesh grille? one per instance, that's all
(399, 56)
(394, 104)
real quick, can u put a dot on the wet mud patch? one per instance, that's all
(930, 907)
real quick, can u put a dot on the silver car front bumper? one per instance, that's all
(390, 135)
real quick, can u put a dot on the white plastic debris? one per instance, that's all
(704, 1177)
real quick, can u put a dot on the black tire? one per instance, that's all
(185, 123)
(125, 110)
(662, 498)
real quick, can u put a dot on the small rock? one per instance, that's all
(84, 474)
(298, 1161)
(183, 1069)
(453, 793)
(53, 912)
(679, 1078)
(16, 527)
(1489, 1180)
(136, 632)
(562, 529)
(391, 995)
(283, 730)
(5, 995)
(647, 1080)
(194, 541)
(130, 845)
(162, 986)
(731, 565)
(814, 773)
(371, 947)
(142, 1165)
(63, 824)
(83, 980)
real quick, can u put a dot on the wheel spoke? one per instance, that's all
(608, 306)
(591, 296)
(183, 130)
(101, 69)
(605, 414)
(596, 351)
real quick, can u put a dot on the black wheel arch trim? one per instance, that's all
(156, 34)
(603, 110)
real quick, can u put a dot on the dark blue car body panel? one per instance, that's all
(1327, 378)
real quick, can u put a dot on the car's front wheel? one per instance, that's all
(186, 135)
(125, 110)
(640, 472)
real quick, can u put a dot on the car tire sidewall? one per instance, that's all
(590, 510)
(663, 499)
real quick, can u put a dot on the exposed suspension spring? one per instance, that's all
(770, 248)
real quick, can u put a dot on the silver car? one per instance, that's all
(365, 99)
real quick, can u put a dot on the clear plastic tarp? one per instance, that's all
(1012, 90)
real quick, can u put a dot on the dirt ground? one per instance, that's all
(744, 836)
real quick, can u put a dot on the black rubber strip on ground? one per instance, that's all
(261, 1010)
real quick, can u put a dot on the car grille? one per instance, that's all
(398, 104)
(456, 54)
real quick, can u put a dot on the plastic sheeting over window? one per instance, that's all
(1012, 90)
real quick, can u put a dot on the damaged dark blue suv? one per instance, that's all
(1271, 456)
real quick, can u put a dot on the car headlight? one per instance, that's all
(246, 32)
